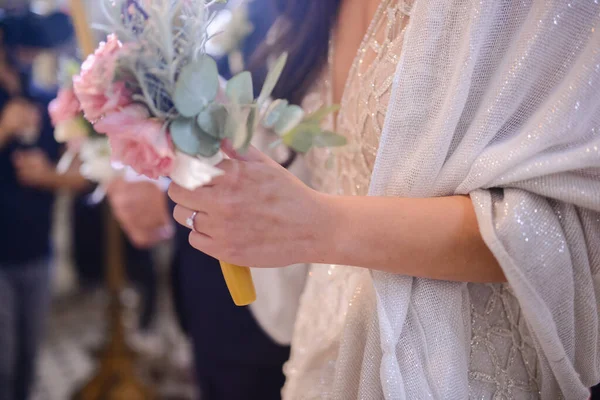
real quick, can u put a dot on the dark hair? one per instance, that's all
(305, 35)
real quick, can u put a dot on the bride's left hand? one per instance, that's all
(257, 214)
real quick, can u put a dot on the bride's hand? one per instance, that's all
(257, 214)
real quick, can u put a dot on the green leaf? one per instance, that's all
(236, 126)
(274, 113)
(251, 125)
(289, 119)
(301, 141)
(306, 128)
(190, 139)
(272, 79)
(301, 137)
(240, 89)
(184, 135)
(329, 139)
(309, 134)
(321, 113)
(210, 146)
(72, 68)
(212, 120)
(196, 86)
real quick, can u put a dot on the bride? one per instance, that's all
(455, 239)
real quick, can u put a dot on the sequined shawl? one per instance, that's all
(500, 100)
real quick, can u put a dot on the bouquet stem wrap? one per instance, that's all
(240, 284)
(192, 173)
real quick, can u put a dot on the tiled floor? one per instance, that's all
(75, 329)
(76, 325)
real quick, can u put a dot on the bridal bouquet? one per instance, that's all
(152, 89)
(71, 128)
(156, 94)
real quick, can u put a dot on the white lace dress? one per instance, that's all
(503, 360)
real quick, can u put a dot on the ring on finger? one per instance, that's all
(191, 221)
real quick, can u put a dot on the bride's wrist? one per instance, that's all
(327, 228)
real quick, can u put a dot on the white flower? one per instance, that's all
(96, 163)
(194, 172)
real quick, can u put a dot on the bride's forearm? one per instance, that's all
(436, 238)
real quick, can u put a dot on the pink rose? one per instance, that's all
(138, 141)
(95, 86)
(64, 107)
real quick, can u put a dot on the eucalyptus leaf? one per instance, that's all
(236, 126)
(299, 140)
(190, 139)
(321, 113)
(212, 120)
(250, 125)
(184, 134)
(309, 127)
(272, 79)
(196, 86)
(289, 119)
(329, 139)
(210, 146)
(240, 89)
(274, 113)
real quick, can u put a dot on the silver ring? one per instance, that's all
(190, 222)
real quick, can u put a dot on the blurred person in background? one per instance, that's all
(89, 248)
(239, 352)
(89, 253)
(28, 180)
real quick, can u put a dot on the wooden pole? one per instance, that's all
(85, 38)
(115, 378)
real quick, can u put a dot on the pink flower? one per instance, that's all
(95, 86)
(138, 141)
(64, 107)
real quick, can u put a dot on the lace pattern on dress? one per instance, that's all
(503, 356)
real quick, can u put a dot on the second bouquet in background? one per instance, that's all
(72, 129)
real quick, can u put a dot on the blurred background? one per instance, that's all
(87, 312)
(57, 310)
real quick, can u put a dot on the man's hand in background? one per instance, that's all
(34, 169)
(141, 209)
(18, 117)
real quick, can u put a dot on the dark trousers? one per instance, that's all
(234, 358)
(240, 382)
(24, 297)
